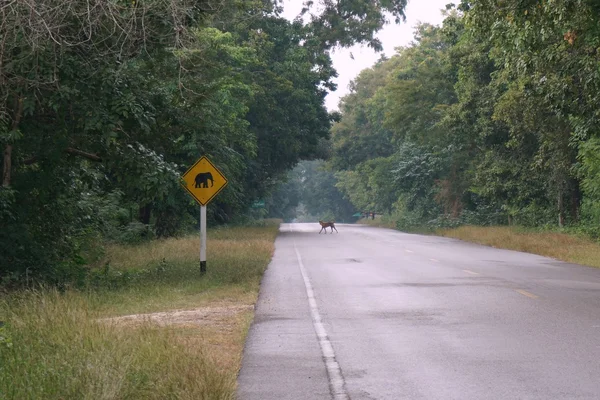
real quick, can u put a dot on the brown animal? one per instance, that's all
(325, 225)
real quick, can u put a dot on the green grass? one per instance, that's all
(64, 345)
(236, 258)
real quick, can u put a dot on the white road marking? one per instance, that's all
(433, 259)
(336, 379)
(471, 272)
(408, 251)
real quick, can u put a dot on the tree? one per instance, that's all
(319, 194)
(104, 105)
(342, 23)
(361, 134)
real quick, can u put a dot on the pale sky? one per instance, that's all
(391, 36)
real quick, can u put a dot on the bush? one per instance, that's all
(484, 216)
(409, 222)
(443, 222)
(38, 232)
(534, 215)
(589, 223)
(134, 233)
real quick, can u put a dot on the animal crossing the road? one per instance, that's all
(378, 314)
(325, 225)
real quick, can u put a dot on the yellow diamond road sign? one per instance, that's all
(204, 181)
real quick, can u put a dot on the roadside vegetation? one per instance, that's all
(103, 106)
(152, 328)
(488, 120)
(561, 244)
(564, 246)
(381, 221)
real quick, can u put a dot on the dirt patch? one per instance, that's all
(213, 316)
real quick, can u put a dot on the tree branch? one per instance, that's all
(69, 150)
(89, 156)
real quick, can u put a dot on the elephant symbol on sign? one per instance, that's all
(202, 180)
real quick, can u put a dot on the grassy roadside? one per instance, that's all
(380, 222)
(561, 246)
(70, 345)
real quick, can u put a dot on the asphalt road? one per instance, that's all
(377, 314)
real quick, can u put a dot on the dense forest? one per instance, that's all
(104, 104)
(490, 119)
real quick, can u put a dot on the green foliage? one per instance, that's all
(105, 105)
(408, 222)
(345, 22)
(310, 193)
(490, 118)
(589, 168)
(361, 134)
(319, 193)
(390, 143)
(285, 199)
(420, 88)
(590, 215)
(416, 173)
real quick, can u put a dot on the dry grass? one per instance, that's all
(560, 246)
(380, 222)
(236, 259)
(221, 243)
(222, 340)
(63, 347)
(61, 351)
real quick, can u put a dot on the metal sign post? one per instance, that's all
(203, 181)
(202, 239)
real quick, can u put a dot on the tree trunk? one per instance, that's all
(144, 214)
(7, 165)
(8, 150)
(561, 211)
(575, 201)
